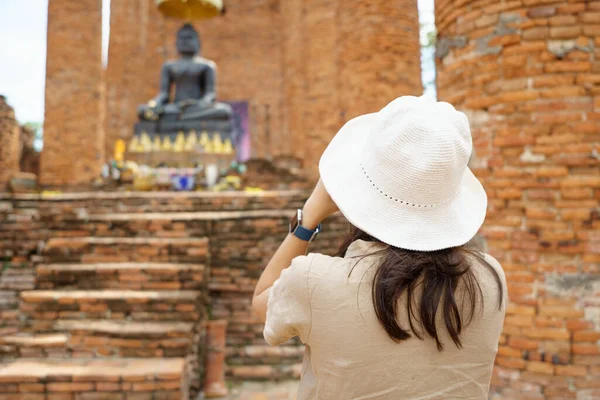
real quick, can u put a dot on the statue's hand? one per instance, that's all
(203, 103)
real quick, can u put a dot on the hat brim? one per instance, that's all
(451, 224)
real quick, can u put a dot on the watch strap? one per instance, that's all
(305, 234)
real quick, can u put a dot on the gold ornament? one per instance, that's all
(227, 147)
(166, 144)
(179, 142)
(146, 143)
(134, 145)
(204, 140)
(191, 142)
(217, 143)
(156, 145)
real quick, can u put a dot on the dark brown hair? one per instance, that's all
(437, 275)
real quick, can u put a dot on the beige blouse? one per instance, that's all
(348, 354)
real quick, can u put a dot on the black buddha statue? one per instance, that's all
(194, 105)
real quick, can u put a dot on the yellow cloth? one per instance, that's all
(190, 9)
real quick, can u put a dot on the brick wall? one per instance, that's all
(527, 72)
(73, 131)
(9, 143)
(305, 67)
(343, 59)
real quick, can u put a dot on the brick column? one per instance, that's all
(9, 143)
(343, 59)
(528, 75)
(73, 132)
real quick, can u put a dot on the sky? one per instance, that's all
(23, 53)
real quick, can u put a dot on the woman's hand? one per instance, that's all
(318, 207)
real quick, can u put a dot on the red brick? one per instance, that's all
(108, 386)
(146, 386)
(561, 311)
(32, 387)
(590, 349)
(540, 367)
(509, 194)
(591, 30)
(571, 8)
(575, 214)
(546, 333)
(518, 320)
(588, 383)
(522, 343)
(565, 32)
(568, 66)
(586, 336)
(513, 308)
(563, 20)
(585, 359)
(541, 12)
(535, 33)
(540, 213)
(507, 351)
(510, 362)
(69, 387)
(580, 181)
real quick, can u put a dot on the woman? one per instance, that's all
(405, 311)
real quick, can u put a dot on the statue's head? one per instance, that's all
(188, 40)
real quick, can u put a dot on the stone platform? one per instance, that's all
(94, 379)
(285, 390)
(128, 279)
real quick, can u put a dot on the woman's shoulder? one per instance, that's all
(490, 273)
(314, 264)
(495, 264)
(317, 265)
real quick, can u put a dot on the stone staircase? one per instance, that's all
(110, 317)
(125, 278)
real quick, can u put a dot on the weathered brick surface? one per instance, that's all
(528, 75)
(73, 126)
(127, 275)
(342, 59)
(305, 67)
(9, 143)
(94, 379)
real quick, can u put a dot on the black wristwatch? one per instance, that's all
(301, 232)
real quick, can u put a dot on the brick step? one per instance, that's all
(264, 354)
(40, 379)
(28, 345)
(135, 276)
(263, 372)
(264, 362)
(102, 338)
(126, 249)
(182, 305)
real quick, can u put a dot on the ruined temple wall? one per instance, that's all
(243, 230)
(73, 130)
(9, 143)
(527, 72)
(343, 59)
(305, 67)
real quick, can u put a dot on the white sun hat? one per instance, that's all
(401, 175)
